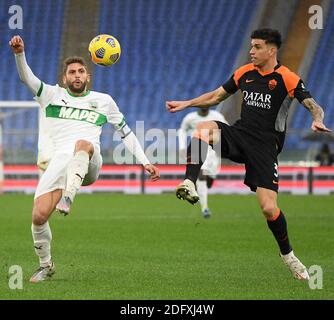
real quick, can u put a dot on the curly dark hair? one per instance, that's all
(271, 36)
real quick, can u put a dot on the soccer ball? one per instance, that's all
(104, 50)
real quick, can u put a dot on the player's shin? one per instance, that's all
(42, 237)
(196, 155)
(278, 226)
(76, 171)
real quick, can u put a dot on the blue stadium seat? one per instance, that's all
(319, 83)
(171, 50)
(42, 50)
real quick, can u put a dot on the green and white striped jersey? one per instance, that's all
(69, 118)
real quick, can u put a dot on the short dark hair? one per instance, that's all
(271, 36)
(71, 60)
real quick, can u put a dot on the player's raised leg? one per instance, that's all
(196, 154)
(76, 172)
(41, 233)
(277, 224)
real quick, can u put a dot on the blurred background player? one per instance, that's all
(212, 163)
(74, 116)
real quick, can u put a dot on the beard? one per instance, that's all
(74, 89)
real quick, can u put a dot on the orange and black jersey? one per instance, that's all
(266, 97)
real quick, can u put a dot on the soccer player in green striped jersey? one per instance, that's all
(74, 116)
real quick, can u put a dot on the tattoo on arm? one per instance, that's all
(223, 96)
(314, 108)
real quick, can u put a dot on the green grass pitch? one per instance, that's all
(115, 246)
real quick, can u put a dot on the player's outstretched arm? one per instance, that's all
(205, 100)
(25, 73)
(318, 115)
(132, 144)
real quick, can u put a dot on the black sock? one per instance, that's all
(280, 231)
(196, 155)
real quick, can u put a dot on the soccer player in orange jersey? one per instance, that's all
(257, 138)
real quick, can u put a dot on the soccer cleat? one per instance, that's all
(206, 213)
(64, 205)
(297, 269)
(186, 190)
(43, 273)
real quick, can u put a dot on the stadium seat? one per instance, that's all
(172, 49)
(163, 56)
(319, 83)
(42, 50)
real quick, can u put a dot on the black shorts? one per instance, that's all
(257, 150)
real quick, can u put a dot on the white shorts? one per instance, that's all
(54, 176)
(211, 165)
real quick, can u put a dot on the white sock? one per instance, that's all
(76, 171)
(42, 237)
(202, 190)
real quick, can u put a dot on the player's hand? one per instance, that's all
(175, 106)
(17, 44)
(318, 126)
(153, 171)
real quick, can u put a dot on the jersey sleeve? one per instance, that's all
(114, 116)
(45, 94)
(230, 86)
(300, 92)
(293, 84)
(25, 73)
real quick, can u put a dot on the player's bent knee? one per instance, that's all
(39, 218)
(268, 210)
(205, 131)
(206, 125)
(83, 145)
(40, 213)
